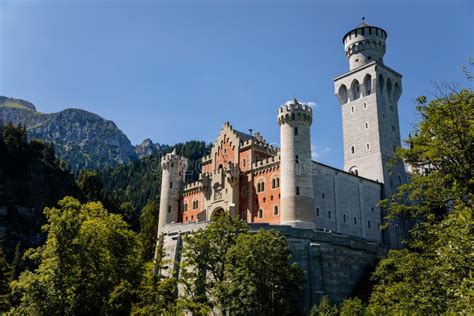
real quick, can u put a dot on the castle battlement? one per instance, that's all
(266, 162)
(295, 110)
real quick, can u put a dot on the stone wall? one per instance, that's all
(333, 263)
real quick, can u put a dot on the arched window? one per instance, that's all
(397, 91)
(389, 88)
(275, 210)
(381, 83)
(260, 186)
(368, 84)
(355, 88)
(275, 183)
(342, 94)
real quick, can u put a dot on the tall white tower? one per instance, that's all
(297, 201)
(369, 94)
(173, 172)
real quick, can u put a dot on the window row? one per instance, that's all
(261, 185)
(344, 217)
(276, 211)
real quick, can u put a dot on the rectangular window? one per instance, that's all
(344, 218)
(368, 224)
(297, 159)
(355, 220)
(169, 209)
(296, 130)
(244, 162)
(297, 190)
(329, 214)
(317, 211)
(171, 185)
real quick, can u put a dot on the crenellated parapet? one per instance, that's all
(172, 160)
(295, 110)
(364, 44)
(266, 163)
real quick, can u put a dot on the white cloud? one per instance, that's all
(311, 104)
(316, 152)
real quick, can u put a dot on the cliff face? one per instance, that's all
(83, 139)
(147, 148)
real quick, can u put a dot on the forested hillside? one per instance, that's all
(140, 180)
(31, 178)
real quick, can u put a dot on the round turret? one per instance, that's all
(173, 172)
(296, 189)
(364, 44)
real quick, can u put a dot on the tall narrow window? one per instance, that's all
(329, 214)
(296, 130)
(352, 150)
(244, 162)
(352, 109)
(317, 211)
(344, 218)
(366, 125)
(355, 220)
(297, 190)
(171, 185)
(368, 146)
(275, 210)
(368, 224)
(169, 208)
(260, 213)
(297, 160)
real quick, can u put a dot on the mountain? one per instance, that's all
(147, 148)
(81, 138)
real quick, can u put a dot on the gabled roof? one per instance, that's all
(243, 136)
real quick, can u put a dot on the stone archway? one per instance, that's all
(217, 212)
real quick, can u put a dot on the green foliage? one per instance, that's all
(158, 290)
(91, 185)
(259, 280)
(434, 274)
(140, 181)
(5, 276)
(352, 307)
(226, 267)
(324, 308)
(89, 264)
(204, 252)
(149, 228)
(157, 294)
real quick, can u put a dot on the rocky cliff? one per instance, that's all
(82, 139)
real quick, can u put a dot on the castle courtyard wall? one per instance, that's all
(333, 264)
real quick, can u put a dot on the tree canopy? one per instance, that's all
(227, 267)
(89, 264)
(434, 273)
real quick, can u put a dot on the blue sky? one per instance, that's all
(177, 70)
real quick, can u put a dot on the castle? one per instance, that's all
(330, 216)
